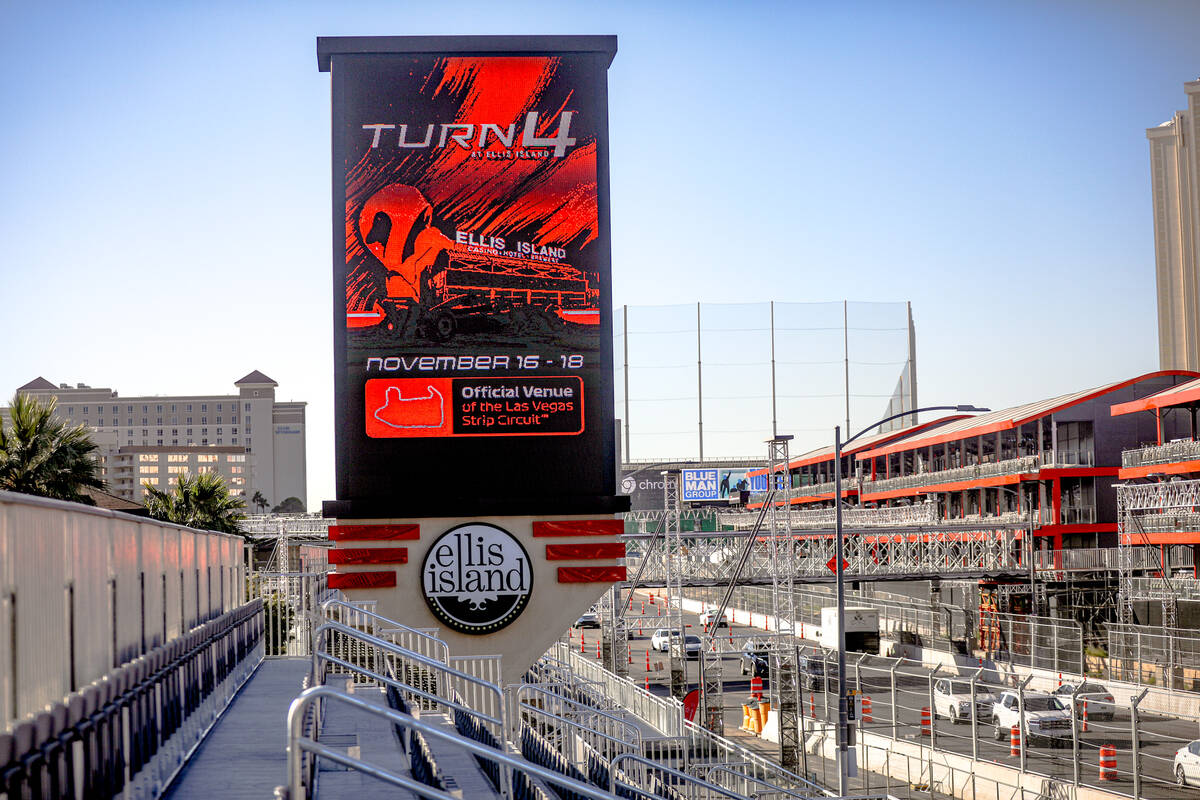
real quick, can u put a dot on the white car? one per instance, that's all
(691, 644)
(1046, 717)
(1187, 763)
(706, 620)
(1100, 702)
(952, 699)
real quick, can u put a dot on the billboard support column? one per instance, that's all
(674, 581)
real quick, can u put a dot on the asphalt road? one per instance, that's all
(1159, 736)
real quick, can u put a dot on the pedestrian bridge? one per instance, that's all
(912, 552)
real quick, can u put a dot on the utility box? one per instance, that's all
(862, 629)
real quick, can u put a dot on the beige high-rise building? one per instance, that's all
(255, 442)
(1175, 183)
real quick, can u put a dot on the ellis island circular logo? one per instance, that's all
(477, 578)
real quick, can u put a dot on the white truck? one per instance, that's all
(862, 629)
(1046, 717)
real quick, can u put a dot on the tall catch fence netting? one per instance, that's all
(711, 379)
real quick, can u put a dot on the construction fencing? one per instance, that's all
(1154, 656)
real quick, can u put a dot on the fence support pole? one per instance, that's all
(932, 711)
(1133, 725)
(895, 723)
(1075, 731)
(975, 716)
(1021, 726)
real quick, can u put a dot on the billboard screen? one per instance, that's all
(472, 279)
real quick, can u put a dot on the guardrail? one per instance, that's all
(1107, 559)
(664, 714)
(974, 471)
(128, 733)
(1168, 453)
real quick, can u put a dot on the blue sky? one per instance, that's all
(164, 220)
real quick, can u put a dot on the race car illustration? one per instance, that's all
(436, 286)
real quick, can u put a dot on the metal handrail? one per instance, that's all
(409, 654)
(635, 739)
(681, 776)
(741, 775)
(394, 625)
(298, 743)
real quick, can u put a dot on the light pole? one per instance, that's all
(843, 715)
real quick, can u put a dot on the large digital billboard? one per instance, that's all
(472, 278)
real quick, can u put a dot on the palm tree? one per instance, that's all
(198, 501)
(43, 455)
(260, 501)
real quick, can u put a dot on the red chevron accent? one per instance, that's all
(579, 527)
(574, 552)
(590, 574)
(341, 533)
(368, 555)
(362, 580)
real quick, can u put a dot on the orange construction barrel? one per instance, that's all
(926, 722)
(1014, 741)
(1108, 762)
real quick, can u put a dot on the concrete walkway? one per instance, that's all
(245, 755)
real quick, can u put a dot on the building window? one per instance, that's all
(100, 422)
(247, 406)
(218, 406)
(174, 431)
(236, 470)
(189, 420)
(234, 440)
(236, 459)
(204, 420)
(177, 458)
(129, 422)
(204, 470)
(177, 470)
(204, 442)
(158, 409)
(148, 457)
(145, 432)
(159, 433)
(218, 440)
(218, 431)
(189, 408)
(158, 421)
(70, 411)
(172, 408)
(160, 441)
(85, 410)
(115, 409)
(148, 470)
(237, 481)
(203, 407)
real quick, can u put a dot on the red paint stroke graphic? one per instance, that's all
(338, 533)
(579, 527)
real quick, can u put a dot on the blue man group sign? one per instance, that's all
(700, 484)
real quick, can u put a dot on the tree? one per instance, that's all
(292, 505)
(197, 501)
(45, 456)
(260, 501)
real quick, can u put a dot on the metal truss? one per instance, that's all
(673, 562)
(1142, 506)
(615, 642)
(914, 553)
(784, 568)
(919, 514)
(297, 527)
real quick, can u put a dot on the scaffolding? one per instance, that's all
(784, 687)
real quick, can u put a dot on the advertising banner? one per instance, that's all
(472, 278)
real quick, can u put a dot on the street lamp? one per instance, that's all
(843, 721)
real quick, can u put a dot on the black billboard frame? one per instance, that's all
(471, 501)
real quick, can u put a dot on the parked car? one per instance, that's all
(1187, 762)
(660, 638)
(952, 699)
(691, 646)
(589, 620)
(706, 619)
(1046, 717)
(1100, 703)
